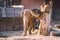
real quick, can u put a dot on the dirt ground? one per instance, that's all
(17, 35)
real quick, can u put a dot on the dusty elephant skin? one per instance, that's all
(45, 21)
(40, 16)
(28, 22)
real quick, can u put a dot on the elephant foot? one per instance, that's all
(24, 34)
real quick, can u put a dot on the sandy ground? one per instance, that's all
(12, 33)
(17, 35)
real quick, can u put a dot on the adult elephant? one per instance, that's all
(46, 8)
(41, 17)
(29, 17)
(28, 21)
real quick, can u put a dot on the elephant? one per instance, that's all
(45, 21)
(29, 17)
(28, 22)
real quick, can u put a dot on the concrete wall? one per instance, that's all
(11, 20)
(31, 4)
(11, 24)
(56, 10)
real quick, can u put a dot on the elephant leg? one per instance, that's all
(29, 30)
(32, 27)
(25, 27)
(41, 27)
(25, 31)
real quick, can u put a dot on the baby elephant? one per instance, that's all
(28, 21)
